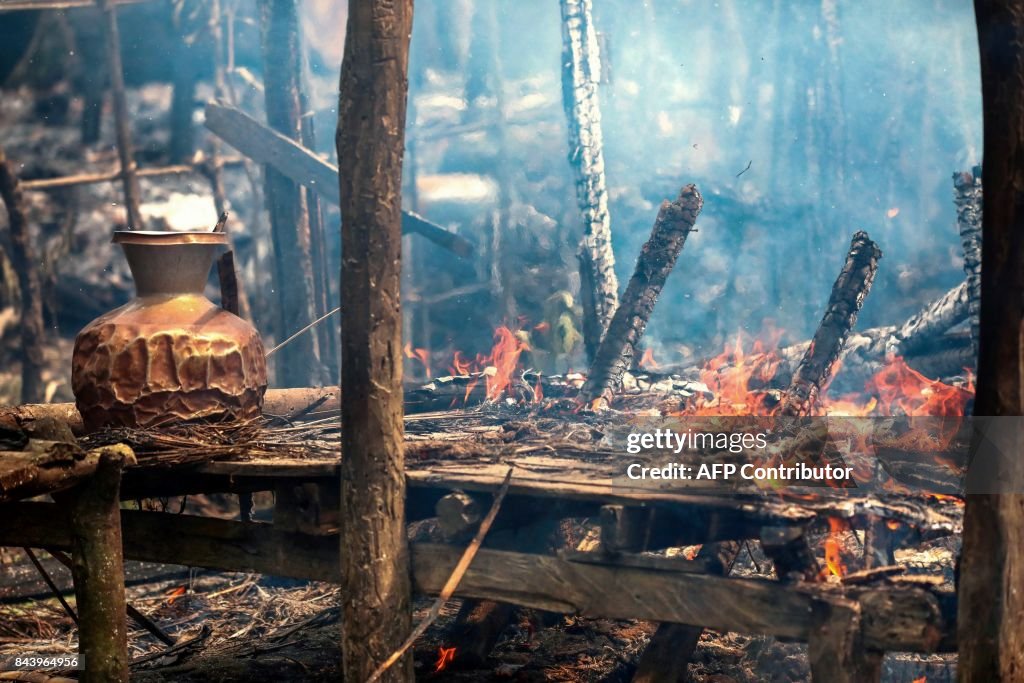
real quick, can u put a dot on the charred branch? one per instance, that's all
(657, 258)
(581, 73)
(848, 293)
(25, 262)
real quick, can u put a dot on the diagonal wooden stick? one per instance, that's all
(453, 581)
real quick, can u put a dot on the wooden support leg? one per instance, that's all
(672, 645)
(98, 571)
(835, 648)
(790, 553)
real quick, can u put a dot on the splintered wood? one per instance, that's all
(657, 258)
(848, 293)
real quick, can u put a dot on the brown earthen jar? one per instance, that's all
(170, 354)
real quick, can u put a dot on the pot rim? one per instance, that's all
(166, 237)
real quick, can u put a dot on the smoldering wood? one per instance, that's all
(615, 354)
(848, 293)
(26, 264)
(968, 197)
(286, 200)
(98, 571)
(266, 146)
(992, 557)
(122, 124)
(581, 73)
(370, 140)
(879, 549)
(895, 618)
(667, 656)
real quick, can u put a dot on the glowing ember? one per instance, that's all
(445, 656)
(893, 212)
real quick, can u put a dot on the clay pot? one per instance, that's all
(170, 354)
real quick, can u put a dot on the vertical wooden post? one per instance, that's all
(298, 363)
(990, 635)
(122, 126)
(581, 72)
(23, 258)
(98, 571)
(370, 141)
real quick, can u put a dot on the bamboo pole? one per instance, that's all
(122, 125)
(370, 142)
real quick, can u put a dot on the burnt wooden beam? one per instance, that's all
(370, 139)
(97, 566)
(50, 467)
(26, 265)
(895, 618)
(992, 558)
(581, 74)
(615, 354)
(848, 293)
(265, 146)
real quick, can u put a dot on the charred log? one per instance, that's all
(657, 258)
(848, 293)
(581, 73)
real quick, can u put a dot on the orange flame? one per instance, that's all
(833, 555)
(647, 360)
(445, 656)
(422, 355)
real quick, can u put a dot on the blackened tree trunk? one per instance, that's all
(370, 141)
(298, 363)
(581, 72)
(23, 257)
(990, 629)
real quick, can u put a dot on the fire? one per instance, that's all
(497, 368)
(647, 360)
(422, 355)
(893, 212)
(833, 555)
(729, 376)
(922, 679)
(445, 656)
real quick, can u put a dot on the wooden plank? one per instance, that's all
(906, 619)
(265, 146)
